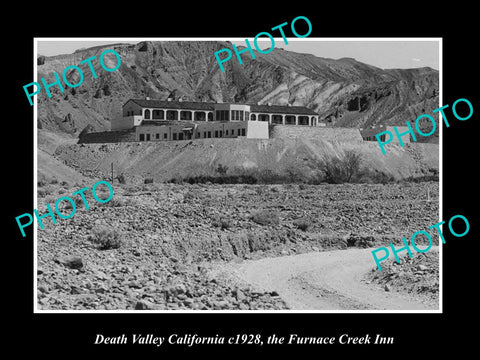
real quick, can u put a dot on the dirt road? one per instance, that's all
(322, 281)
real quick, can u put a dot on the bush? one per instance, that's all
(148, 181)
(43, 192)
(121, 179)
(223, 223)
(341, 170)
(221, 169)
(266, 217)
(106, 238)
(302, 224)
(375, 177)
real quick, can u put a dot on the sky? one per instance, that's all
(393, 53)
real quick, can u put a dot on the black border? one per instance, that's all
(61, 334)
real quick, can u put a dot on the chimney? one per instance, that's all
(147, 98)
(180, 100)
(269, 103)
(169, 99)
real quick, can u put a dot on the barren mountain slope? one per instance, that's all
(344, 92)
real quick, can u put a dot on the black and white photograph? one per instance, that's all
(234, 180)
(261, 187)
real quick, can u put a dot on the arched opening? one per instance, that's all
(172, 115)
(277, 119)
(290, 120)
(210, 116)
(146, 114)
(185, 115)
(253, 117)
(157, 114)
(200, 116)
(303, 120)
(263, 117)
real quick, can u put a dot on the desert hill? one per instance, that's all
(344, 92)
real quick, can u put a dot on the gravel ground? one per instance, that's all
(148, 247)
(418, 276)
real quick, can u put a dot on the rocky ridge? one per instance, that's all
(344, 92)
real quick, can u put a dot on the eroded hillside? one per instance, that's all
(344, 92)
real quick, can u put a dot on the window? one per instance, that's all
(165, 136)
(226, 132)
(198, 134)
(220, 132)
(180, 136)
(303, 120)
(241, 115)
(243, 132)
(142, 137)
(253, 117)
(216, 133)
(157, 114)
(148, 137)
(234, 115)
(217, 115)
(238, 132)
(204, 134)
(172, 115)
(147, 114)
(222, 114)
(209, 134)
(276, 119)
(174, 136)
(185, 115)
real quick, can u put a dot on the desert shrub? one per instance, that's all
(375, 177)
(54, 181)
(418, 179)
(222, 222)
(64, 184)
(257, 242)
(41, 183)
(116, 202)
(260, 190)
(43, 192)
(189, 196)
(105, 237)
(266, 217)
(302, 224)
(221, 169)
(341, 170)
(148, 181)
(121, 179)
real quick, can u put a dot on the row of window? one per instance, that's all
(221, 115)
(374, 138)
(186, 136)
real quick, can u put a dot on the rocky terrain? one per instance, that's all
(418, 275)
(344, 92)
(151, 246)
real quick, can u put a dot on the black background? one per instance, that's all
(60, 335)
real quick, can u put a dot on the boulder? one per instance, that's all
(72, 262)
